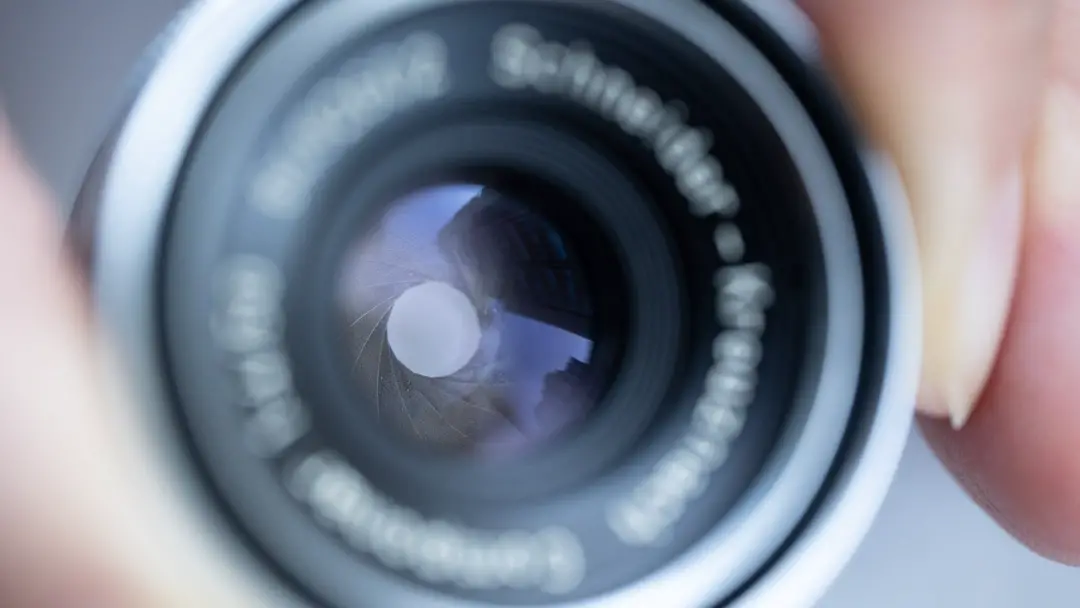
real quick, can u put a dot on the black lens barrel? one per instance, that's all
(721, 233)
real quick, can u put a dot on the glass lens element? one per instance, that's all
(470, 322)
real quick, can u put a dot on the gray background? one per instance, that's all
(62, 66)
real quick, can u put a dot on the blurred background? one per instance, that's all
(63, 65)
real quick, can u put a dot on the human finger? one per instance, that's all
(84, 522)
(950, 89)
(1018, 455)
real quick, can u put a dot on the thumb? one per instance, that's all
(83, 520)
(951, 90)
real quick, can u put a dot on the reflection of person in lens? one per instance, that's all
(448, 410)
(474, 243)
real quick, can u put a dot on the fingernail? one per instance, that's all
(1057, 181)
(969, 284)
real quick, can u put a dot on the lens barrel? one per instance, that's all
(509, 302)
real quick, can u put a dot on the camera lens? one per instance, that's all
(471, 321)
(441, 303)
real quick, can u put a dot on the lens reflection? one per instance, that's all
(470, 322)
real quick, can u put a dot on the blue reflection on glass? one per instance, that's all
(532, 365)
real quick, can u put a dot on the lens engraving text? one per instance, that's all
(659, 501)
(551, 559)
(522, 59)
(247, 326)
(342, 109)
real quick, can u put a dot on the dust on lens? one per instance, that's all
(470, 322)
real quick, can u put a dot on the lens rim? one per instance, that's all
(210, 211)
(138, 188)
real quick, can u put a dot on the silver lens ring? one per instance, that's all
(786, 535)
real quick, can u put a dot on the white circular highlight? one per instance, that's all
(433, 329)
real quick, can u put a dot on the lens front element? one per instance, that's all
(471, 322)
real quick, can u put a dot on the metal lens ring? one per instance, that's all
(510, 302)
